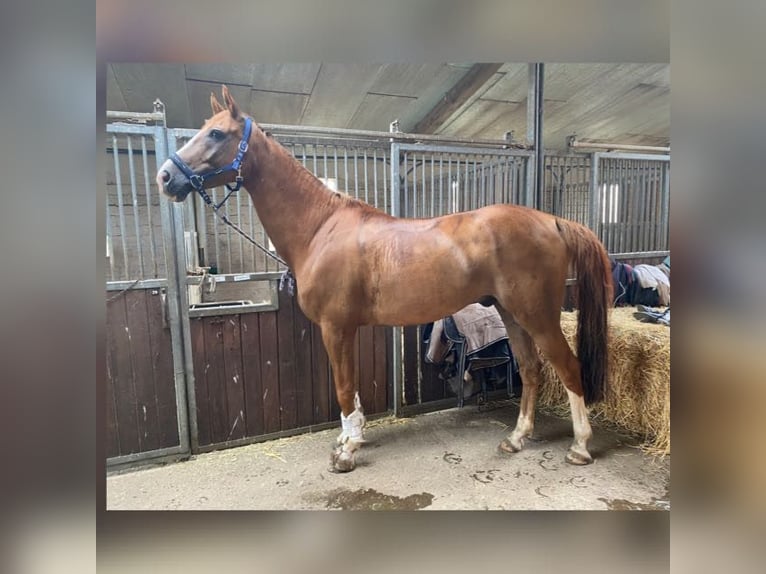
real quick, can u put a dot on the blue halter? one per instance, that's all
(197, 180)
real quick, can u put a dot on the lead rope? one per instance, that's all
(287, 279)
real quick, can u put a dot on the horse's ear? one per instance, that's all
(215, 104)
(230, 103)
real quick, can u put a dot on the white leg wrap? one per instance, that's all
(352, 426)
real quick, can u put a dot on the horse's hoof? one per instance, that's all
(578, 458)
(508, 447)
(342, 461)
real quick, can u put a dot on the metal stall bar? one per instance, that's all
(467, 186)
(366, 181)
(109, 239)
(642, 212)
(147, 187)
(375, 174)
(356, 175)
(612, 183)
(345, 168)
(441, 183)
(423, 185)
(385, 184)
(238, 198)
(324, 164)
(335, 163)
(120, 208)
(134, 199)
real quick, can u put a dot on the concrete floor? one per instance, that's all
(439, 461)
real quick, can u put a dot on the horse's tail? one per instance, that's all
(594, 297)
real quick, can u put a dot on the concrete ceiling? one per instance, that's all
(612, 103)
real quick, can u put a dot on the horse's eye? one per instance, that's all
(217, 135)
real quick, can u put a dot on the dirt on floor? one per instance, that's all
(446, 460)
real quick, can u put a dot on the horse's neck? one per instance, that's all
(291, 203)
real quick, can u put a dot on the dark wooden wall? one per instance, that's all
(141, 409)
(261, 373)
(432, 388)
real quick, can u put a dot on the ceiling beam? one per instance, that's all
(476, 76)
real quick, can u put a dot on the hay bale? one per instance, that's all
(638, 392)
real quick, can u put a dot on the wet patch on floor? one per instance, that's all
(369, 499)
(662, 503)
(622, 504)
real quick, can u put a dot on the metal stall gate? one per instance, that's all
(145, 386)
(630, 202)
(622, 197)
(435, 180)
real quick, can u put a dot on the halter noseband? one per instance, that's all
(197, 180)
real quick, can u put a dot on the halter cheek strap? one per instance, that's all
(197, 180)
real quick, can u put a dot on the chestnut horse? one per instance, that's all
(356, 265)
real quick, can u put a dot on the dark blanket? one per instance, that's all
(623, 283)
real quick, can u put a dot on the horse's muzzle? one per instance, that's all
(175, 187)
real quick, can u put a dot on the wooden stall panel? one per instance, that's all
(141, 409)
(232, 361)
(410, 359)
(270, 372)
(304, 386)
(162, 370)
(321, 378)
(216, 385)
(287, 380)
(251, 373)
(201, 369)
(381, 339)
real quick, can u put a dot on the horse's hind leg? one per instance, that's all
(548, 336)
(339, 342)
(526, 355)
(555, 347)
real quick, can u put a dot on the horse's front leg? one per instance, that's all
(339, 342)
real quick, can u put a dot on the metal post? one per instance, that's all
(539, 150)
(183, 371)
(529, 184)
(535, 75)
(397, 343)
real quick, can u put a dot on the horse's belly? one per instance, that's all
(417, 298)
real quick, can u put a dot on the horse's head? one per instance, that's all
(214, 156)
